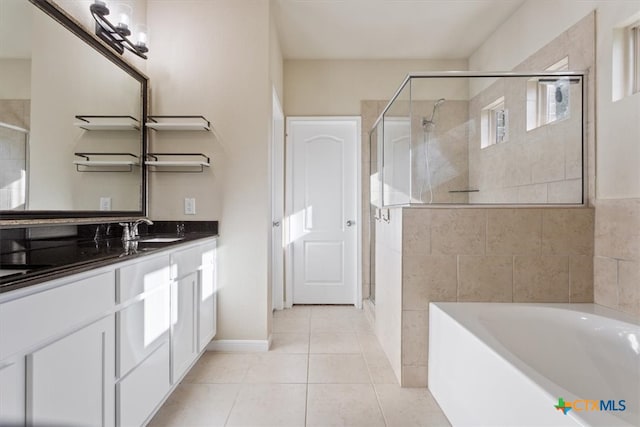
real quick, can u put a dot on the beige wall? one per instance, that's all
(276, 63)
(336, 87)
(618, 151)
(216, 62)
(16, 79)
(535, 24)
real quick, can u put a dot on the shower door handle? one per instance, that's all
(350, 223)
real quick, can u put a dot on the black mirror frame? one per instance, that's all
(13, 218)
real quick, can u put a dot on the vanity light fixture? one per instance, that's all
(117, 36)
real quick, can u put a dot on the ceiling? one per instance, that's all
(387, 29)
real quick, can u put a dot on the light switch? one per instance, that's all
(105, 203)
(189, 206)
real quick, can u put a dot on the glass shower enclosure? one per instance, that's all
(469, 138)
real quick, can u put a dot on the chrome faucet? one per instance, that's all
(126, 231)
(130, 230)
(135, 224)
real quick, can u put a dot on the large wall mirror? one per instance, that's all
(71, 119)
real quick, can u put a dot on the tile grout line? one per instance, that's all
(235, 400)
(373, 385)
(233, 405)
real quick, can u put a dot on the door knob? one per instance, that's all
(276, 223)
(350, 223)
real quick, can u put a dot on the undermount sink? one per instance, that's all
(160, 239)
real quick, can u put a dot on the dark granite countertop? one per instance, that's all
(27, 262)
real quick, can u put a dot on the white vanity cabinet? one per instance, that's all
(142, 324)
(107, 346)
(143, 319)
(70, 381)
(183, 325)
(57, 352)
(207, 296)
(193, 299)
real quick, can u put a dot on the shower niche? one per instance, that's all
(474, 138)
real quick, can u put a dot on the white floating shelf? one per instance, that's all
(128, 162)
(177, 126)
(106, 126)
(100, 163)
(185, 163)
(178, 123)
(196, 164)
(117, 123)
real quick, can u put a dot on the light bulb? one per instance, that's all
(142, 35)
(123, 17)
(141, 38)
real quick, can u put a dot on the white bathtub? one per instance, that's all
(507, 364)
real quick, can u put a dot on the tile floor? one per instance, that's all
(325, 368)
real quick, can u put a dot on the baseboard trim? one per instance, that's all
(240, 346)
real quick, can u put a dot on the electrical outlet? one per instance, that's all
(189, 206)
(105, 203)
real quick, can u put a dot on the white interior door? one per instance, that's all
(277, 204)
(323, 209)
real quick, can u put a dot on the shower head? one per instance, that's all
(435, 108)
(428, 123)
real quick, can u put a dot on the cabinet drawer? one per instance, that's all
(186, 261)
(27, 321)
(208, 253)
(140, 327)
(142, 390)
(142, 277)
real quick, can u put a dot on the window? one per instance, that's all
(548, 97)
(494, 123)
(625, 71)
(634, 57)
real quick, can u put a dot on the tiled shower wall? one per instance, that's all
(448, 152)
(544, 164)
(13, 153)
(617, 255)
(492, 255)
